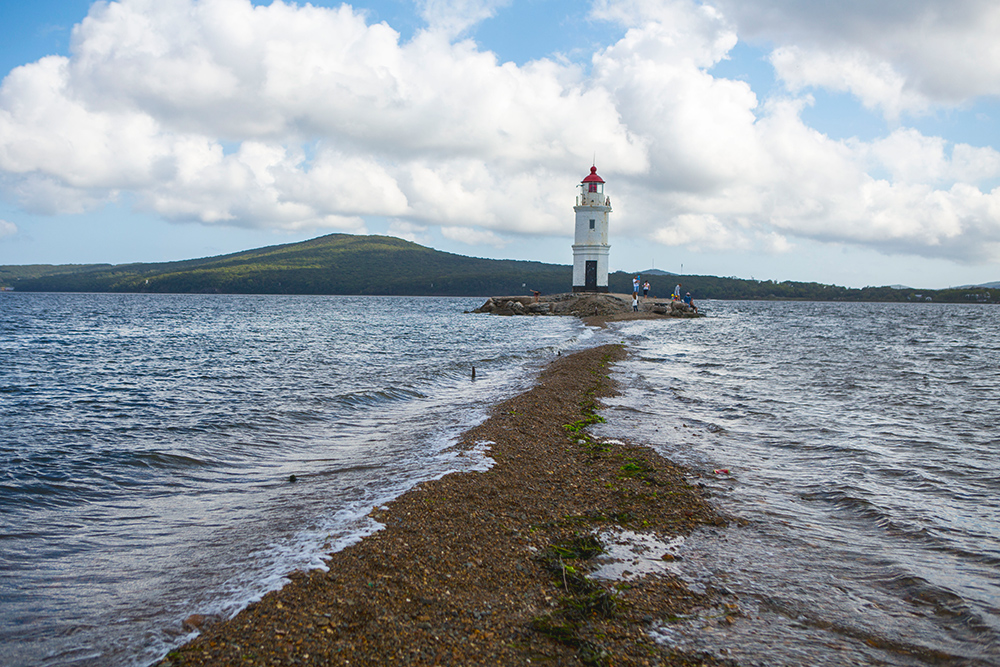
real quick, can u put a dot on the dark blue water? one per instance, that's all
(147, 443)
(861, 445)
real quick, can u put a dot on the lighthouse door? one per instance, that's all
(590, 275)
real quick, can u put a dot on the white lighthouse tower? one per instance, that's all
(590, 247)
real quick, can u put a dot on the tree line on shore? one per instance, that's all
(378, 265)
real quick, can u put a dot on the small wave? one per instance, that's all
(711, 427)
(847, 498)
(342, 470)
(913, 531)
(689, 400)
(64, 477)
(163, 460)
(376, 397)
(918, 591)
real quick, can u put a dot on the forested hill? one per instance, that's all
(349, 264)
(332, 264)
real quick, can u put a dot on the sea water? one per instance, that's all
(147, 443)
(858, 447)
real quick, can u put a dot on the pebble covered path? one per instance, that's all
(488, 568)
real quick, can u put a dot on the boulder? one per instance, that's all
(681, 309)
(539, 308)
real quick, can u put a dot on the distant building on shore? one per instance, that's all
(590, 246)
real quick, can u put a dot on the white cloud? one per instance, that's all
(341, 182)
(471, 236)
(300, 117)
(971, 164)
(910, 157)
(686, 31)
(876, 83)
(409, 231)
(453, 17)
(898, 55)
(46, 129)
(7, 229)
(156, 93)
(700, 232)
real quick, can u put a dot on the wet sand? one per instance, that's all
(486, 568)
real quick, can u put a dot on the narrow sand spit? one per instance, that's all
(489, 568)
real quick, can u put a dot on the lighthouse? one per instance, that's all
(590, 246)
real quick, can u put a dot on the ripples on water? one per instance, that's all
(861, 442)
(148, 440)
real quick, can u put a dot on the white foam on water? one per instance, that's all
(309, 549)
(476, 459)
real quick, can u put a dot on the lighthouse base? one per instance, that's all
(601, 290)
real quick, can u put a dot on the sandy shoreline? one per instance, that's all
(486, 568)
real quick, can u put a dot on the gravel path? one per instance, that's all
(487, 568)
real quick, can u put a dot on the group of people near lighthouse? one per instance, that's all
(676, 296)
(635, 293)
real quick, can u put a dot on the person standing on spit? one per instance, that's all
(635, 302)
(645, 290)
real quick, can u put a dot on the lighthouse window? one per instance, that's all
(592, 221)
(593, 187)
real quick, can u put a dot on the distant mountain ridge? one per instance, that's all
(383, 265)
(331, 264)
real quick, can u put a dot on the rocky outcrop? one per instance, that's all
(613, 306)
(675, 309)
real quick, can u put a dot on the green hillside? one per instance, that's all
(348, 264)
(332, 264)
(712, 287)
(14, 272)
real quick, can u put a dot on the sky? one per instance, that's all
(852, 143)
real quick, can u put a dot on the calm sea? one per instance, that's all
(861, 444)
(147, 443)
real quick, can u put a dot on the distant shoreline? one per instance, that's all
(478, 568)
(352, 265)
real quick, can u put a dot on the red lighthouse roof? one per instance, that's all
(593, 177)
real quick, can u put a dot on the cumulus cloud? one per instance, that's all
(156, 94)
(300, 117)
(473, 236)
(900, 56)
(876, 83)
(409, 231)
(453, 17)
(7, 229)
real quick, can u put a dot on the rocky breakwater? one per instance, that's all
(587, 305)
